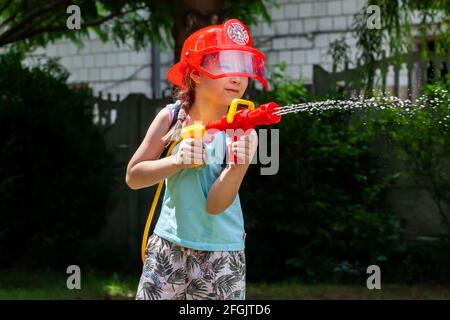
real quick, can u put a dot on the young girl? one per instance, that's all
(197, 248)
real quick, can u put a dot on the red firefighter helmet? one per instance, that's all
(220, 51)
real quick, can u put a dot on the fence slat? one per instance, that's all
(324, 81)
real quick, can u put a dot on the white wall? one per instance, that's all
(299, 35)
(301, 31)
(107, 67)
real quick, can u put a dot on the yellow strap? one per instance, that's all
(149, 219)
(153, 207)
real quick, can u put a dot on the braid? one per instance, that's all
(187, 97)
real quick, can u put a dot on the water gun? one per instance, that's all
(246, 118)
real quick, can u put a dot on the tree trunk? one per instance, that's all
(193, 15)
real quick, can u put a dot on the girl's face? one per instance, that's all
(222, 90)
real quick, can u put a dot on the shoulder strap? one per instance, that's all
(176, 110)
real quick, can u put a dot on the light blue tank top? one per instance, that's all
(184, 220)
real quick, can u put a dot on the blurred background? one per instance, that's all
(81, 81)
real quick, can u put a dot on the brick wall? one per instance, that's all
(107, 67)
(301, 31)
(299, 36)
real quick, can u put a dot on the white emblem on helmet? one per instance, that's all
(237, 33)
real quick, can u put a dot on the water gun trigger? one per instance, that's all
(233, 108)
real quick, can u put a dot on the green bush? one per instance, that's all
(423, 141)
(58, 175)
(323, 215)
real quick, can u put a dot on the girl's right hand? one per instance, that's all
(190, 151)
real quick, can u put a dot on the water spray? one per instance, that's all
(352, 104)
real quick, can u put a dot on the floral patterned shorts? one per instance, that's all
(172, 272)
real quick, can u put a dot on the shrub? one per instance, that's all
(58, 175)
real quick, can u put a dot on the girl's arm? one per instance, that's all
(145, 168)
(224, 190)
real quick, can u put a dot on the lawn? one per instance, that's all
(15, 285)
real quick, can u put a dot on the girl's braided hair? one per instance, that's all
(186, 95)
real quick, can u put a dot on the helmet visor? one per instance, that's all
(233, 62)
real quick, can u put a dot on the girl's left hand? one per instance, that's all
(244, 148)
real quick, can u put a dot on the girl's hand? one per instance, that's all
(190, 151)
(244, 148)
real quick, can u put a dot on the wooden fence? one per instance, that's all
(418, 70)
(127, 121)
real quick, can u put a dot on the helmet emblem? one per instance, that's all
(237, 33)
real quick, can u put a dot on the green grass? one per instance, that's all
(26, 285)
(40, 286)
(291, 290)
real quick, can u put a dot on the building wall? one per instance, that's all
(299, 36)
(301, 32)
(119, 70)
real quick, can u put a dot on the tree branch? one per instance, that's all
(6, 5)
(10, 18)
(50, 29)
(39, 12)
